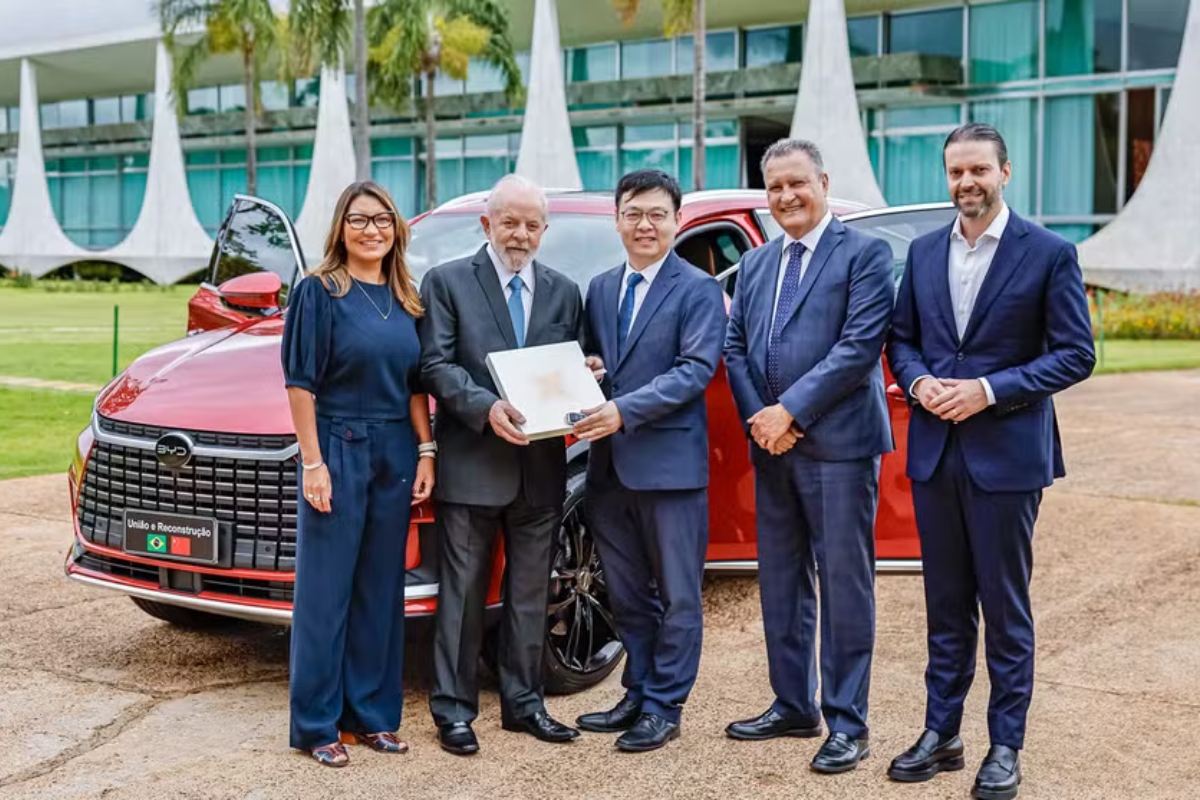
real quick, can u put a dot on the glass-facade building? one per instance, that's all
(1078, 88)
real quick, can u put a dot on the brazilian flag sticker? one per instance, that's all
(156, 543)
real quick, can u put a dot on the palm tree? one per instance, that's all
(680, 16)
(322, 31)
(418, 38)
(195, 30)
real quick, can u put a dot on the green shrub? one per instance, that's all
(1166, 315)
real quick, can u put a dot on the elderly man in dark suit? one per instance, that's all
(659, 322)
(806, 332)
(490, 476)
(991, 320)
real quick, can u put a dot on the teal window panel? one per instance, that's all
(483, 77)
(267, 155)
(722, 167)
(480, 174)
(1156, 33)
(303, 152)
(233, 182)
(104, 198)
(449, 179)
(863, 33)
(106, 111)
(650, 133)
(1073, 233)
(646, 59)
(300, 174)
(203, 101)
(105, 238)
(233, 157)
(204, 185)
(232, 98)
(75, 204)
(662, 158)
(133, 192)
(49, 116)
(491, 143)
(597, 170)
(595, 63)
(913, 171)
(1083, 37)
(392, 147)
(932, 33)
(720, 54)
(1080, 154)
(721, 129)
(594, 137)
(73, 165)
(73, 114)
(1004, 41)
(397, 178)
(275, 184)
(198, 157)
(765, 47)
(923, 116)
(102, 164)
(1017, 122)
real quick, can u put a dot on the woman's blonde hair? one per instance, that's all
(333, 272)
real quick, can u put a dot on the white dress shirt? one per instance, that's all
(810, 241)
(642, 289)
(505, 275)
(967, 268)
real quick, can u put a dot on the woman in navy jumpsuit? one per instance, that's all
(350, 357)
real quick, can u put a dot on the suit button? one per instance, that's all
(960, 356)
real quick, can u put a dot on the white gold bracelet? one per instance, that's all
(427, 454)
(320, 462)
(427, 447)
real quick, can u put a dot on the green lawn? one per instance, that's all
(67, 336)
(1127, 355)
(38, 430)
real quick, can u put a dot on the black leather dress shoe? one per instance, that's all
(650, 732)
(999, 775)
(840, 753)
(933, 753)
(771, 724)
(458, 738)
(541, 725)
(621, 718)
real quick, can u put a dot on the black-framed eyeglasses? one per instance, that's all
(384, 219)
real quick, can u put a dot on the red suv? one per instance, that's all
(199, 429)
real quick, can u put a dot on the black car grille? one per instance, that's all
(248, 588)
(253, 500)
(243, 441)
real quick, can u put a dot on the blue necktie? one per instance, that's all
(787, 294)
(625, 317)
(516, 309)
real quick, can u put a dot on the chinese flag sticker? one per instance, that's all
(181, 546)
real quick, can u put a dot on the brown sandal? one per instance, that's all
(331, 755)
(385, 742)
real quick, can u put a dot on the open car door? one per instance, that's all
(255, 262)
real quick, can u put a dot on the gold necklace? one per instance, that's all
(391, 299)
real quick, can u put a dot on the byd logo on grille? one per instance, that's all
(174, 450)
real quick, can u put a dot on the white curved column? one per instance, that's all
(1152, 244)
(167, 241)
(32, 240)
(547, 154)
(332, 166)
(827, 106)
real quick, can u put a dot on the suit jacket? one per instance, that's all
(1029, 334)
(658, 382)
(830, 347)
(466, 317)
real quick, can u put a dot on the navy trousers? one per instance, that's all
(818, 513)
(348, 615)
(652, 546)
(977, 548)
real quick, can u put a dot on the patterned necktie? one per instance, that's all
(625, 317)
(787, 294)
(516, 309)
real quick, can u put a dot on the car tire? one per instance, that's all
(180, 617)
(582, 647)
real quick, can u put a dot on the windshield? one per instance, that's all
(577, 245)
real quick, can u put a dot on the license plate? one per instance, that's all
(176, 537)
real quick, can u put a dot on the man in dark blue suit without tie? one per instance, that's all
(991, 320)
(806, 334)
(658, 323)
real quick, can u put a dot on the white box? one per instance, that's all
(545, 383)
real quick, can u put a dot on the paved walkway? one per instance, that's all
(38, 383)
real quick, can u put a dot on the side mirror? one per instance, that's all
(257, 291)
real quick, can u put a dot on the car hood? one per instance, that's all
(227, 380)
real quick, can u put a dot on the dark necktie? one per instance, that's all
(516, 309)
(787, 294)
(625, 316)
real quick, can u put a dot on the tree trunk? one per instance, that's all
(698, 91)
(248, 75)
(430, 145)
(362, 112)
